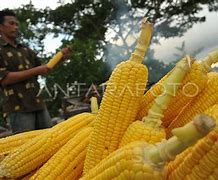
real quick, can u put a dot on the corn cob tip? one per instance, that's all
(189, 61)
(210, 59)
(204, 123)
(199, 127)
(155, 113)
(183, 137)
(214, 55)
(94, 105)
(145, 23)
(143, 41)
(186, 62)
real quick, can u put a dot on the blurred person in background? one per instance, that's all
(19, 68)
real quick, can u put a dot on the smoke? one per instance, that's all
(121, 35)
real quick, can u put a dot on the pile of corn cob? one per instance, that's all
(132, 135)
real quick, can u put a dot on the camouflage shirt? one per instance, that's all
(22, 96)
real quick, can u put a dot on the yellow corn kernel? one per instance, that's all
(10, 143)
(120, 103)
(191, 86)
(207, 98)
(202, 160)
(140, 160)
(94, 105)
(57, 57)
(149, 129)
(140, 131)
(68, 162)
(34, 153)
(172, 165)
(29, 175)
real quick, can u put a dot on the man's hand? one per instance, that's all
(42, 70)
(66, 52)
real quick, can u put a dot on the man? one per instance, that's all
(19, 68)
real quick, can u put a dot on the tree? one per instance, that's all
(86, 24)
(32, 24)
(170, 18)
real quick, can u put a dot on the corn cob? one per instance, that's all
(29, 175)
(34, 153)
(10, 143)
(192, 85)
(149, 129)
(120, 103)
(56, 58)
(201, 162)
(150, 95)
(172, 165)
(208, 97)
(2, 156)
(139, 160)
(68, 162)
(94, 105)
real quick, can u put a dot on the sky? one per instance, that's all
(37, 3)
(51, 43)
(200, 35)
